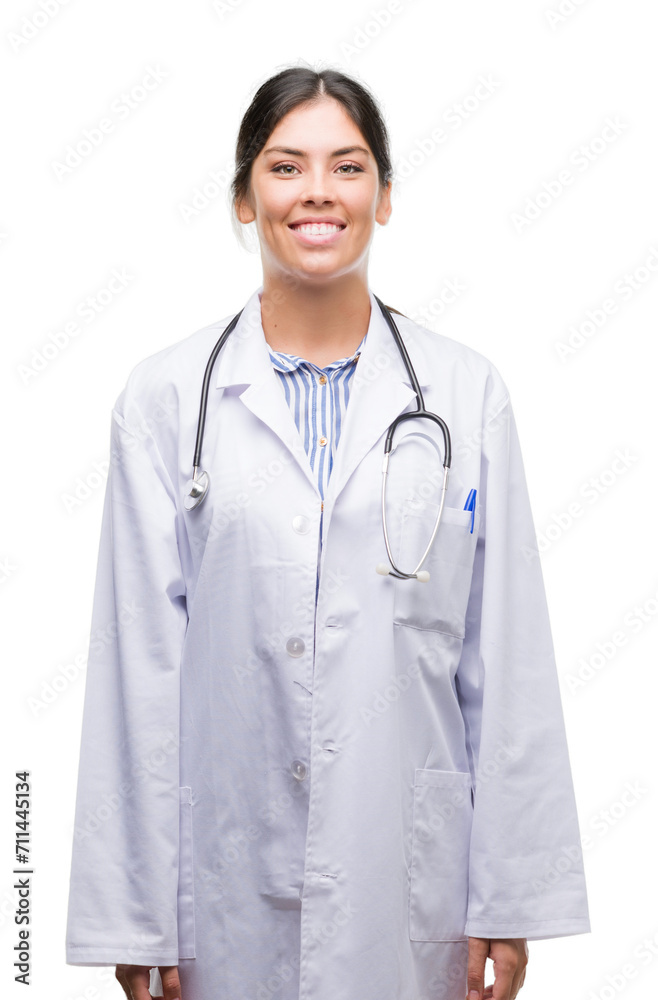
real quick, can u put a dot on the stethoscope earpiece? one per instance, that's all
(422, 576)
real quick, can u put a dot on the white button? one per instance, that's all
(322, 441)
(295, 645)
(298, 768)
(301, 524)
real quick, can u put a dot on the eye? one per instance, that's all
(275, 170)
(283, 168)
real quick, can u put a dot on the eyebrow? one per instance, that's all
(300, 152)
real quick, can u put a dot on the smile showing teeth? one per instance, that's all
(317, 229)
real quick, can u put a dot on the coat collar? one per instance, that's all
(380, 389)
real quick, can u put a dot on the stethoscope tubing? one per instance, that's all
(197, 487)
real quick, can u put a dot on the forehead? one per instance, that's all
(316, 127)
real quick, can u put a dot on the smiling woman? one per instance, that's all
(298, 776)
(292, 191)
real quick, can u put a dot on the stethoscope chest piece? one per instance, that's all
(196, 491)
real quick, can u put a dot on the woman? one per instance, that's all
(300, 777)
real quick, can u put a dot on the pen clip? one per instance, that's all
(470, 505)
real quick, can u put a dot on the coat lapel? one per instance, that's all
(379, 391)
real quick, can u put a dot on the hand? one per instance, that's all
(135, 981)
(509, 956)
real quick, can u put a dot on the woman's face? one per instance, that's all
(309, 170)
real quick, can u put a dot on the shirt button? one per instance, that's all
(295, 645)
(322, 379)
(322, 440)
(298, 768)
(301, 524)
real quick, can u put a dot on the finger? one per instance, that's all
(522, 961)
(136, 978)
(120, 975)
(505, 965)
(170, 982)
(478, 949)
(517, 982)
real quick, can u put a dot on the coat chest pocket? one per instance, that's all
(186, 936)
(441, 833)
(440, 603)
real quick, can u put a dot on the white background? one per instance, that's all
(555, 81)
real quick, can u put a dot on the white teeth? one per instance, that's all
(317, 229)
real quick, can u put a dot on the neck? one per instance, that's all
(318, 322)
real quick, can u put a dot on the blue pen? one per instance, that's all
(470, 505)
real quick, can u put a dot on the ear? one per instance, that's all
(244, 211)
(384, 207)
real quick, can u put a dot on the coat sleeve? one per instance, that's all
(122, 904)
(526, 876)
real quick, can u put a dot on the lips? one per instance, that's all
(313, 232)
(322, 221)
(316, 228)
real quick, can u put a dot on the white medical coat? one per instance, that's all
(318, 804)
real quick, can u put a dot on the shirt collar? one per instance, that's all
(289, 362)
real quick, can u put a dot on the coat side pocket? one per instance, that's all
(186, 935)
(441, 832)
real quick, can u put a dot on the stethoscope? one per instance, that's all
(196, 488)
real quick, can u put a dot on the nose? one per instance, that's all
(318, 189)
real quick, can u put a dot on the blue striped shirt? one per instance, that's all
(318, 399)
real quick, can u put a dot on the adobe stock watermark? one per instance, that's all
(51, 690)
(624, 289)
(472, 443)
(85, 487)
(236, 845)
(276, 641)
(452, 120)
(457, 798)
(121, 108)
(379, 18)
(615, 812)
(227, 512)
(142, 769)
(33, 24)
(161, 411)
(320, 933)
(206, 193)
(442, 985)
(224, 7)
(570, 856)
(590, 492)
(556, 16)
(398, 686)
(589, 667)
(581, 158)
(88, 309)
(7, 569)
(645, 953)
(451, 290)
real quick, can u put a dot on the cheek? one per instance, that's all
(277, 203)
(361, 211)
